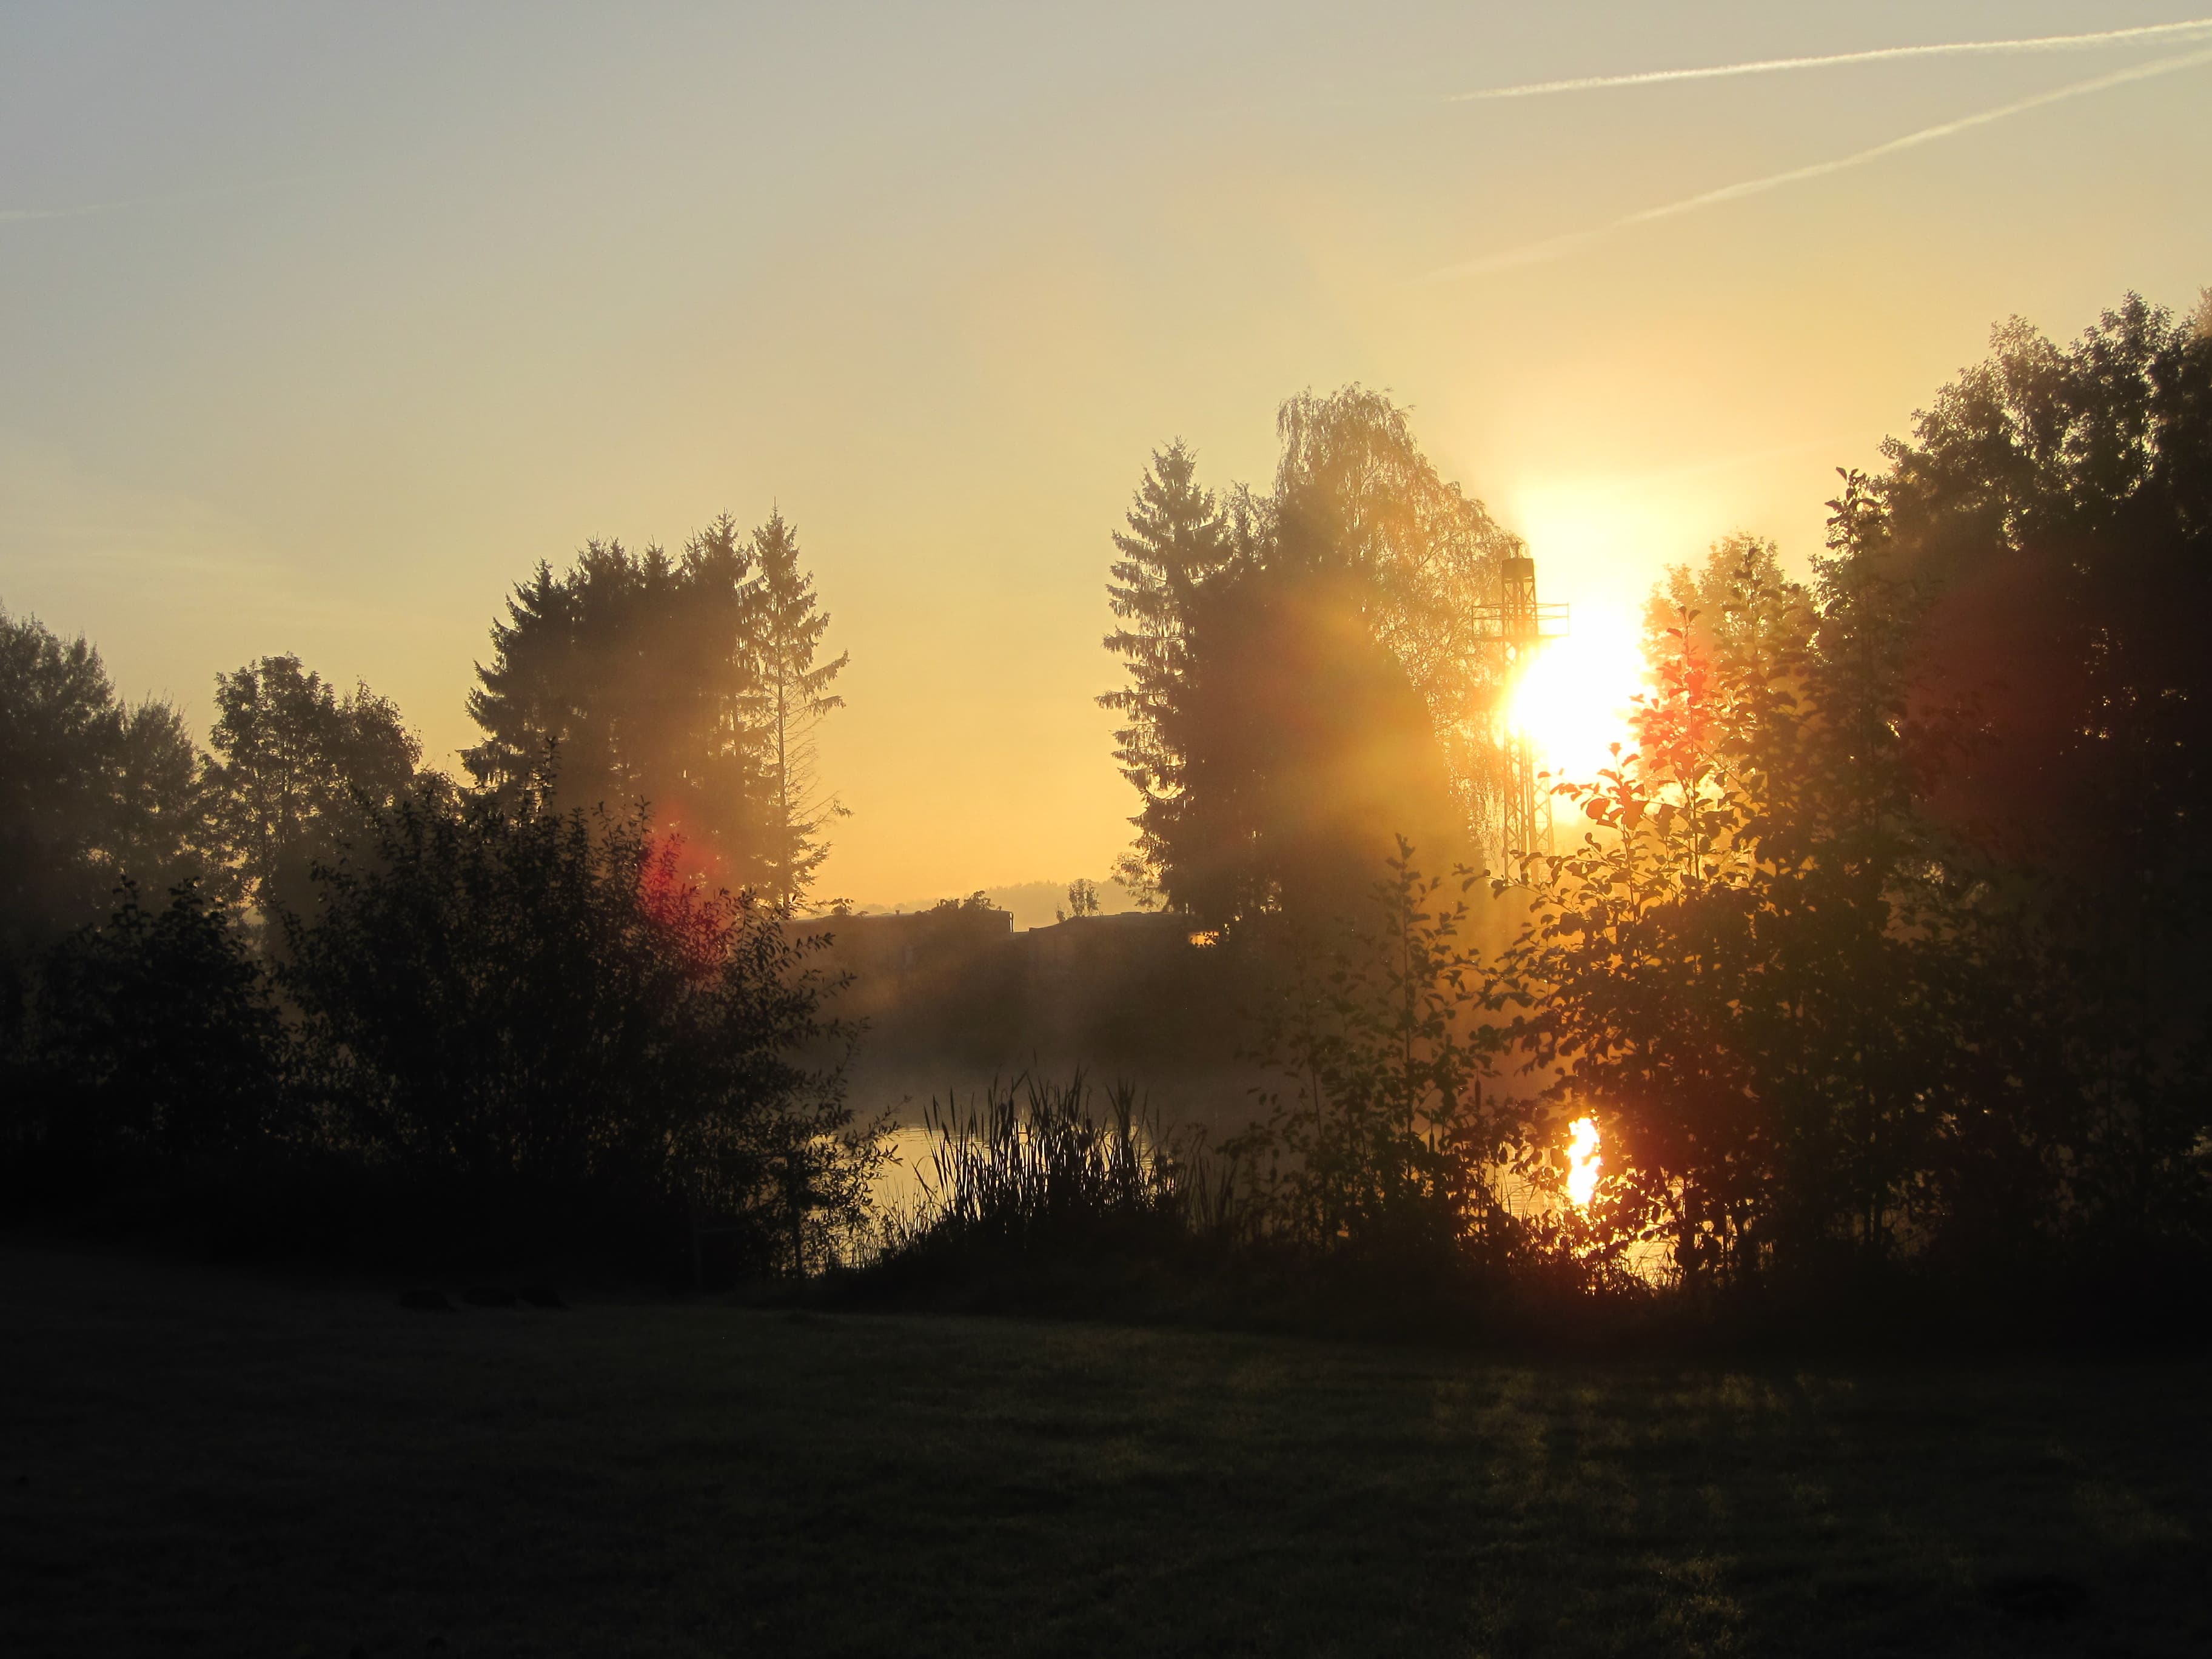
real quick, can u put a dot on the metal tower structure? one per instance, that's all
(1519, 623)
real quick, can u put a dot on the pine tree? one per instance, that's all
(1178, 536)
(722, 749)
(788, 699)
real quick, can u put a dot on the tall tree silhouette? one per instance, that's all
(632, 677)
(297, 772)
(789, 698)
(1306, 750)
(2053, 513)
(90, 791)
(1308, 672)
(1177, 537)
(2040, 550)
(1426, 556)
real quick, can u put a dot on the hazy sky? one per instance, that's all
(320, 324)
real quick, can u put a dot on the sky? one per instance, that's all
(320, 325)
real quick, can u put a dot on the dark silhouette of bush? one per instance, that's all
(151, 1041)
(2047, 531)
(529, 1015)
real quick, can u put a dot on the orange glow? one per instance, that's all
(1583, 1162)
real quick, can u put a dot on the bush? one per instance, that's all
(535, 1013)
(152, 1040)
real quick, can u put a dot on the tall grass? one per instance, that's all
(1044, 1191)
(1038, 1158)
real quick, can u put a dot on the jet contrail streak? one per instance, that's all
(12, 216)
(1536, 252)
(1882, 54)
(87, 210)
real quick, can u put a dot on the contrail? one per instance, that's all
(87, 210)
(1880, 55)
(12, 215)
(1536, 252)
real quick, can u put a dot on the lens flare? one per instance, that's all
(1583, 1162)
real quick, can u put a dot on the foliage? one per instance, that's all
(1306, 748)
(621, 680)
(977, 902)
(2050, 527)
(91, 792)
(1821, 1034)
(297, 773)
(1082, 899)
(1310, 671)
(1757, 1026)
(1426, 556)
(1046, 1197)
(1879, 948)
(154, 1038)
(789, 697)
(162, 832)
(1384, 1140)
(1177, 537)
(535, 1002)
(1813, 1027)
(2053, 510)
(690, 683)
(1878, 954)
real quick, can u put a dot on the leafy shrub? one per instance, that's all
(153, 1039)
(533, 1007)
(1384, 1138)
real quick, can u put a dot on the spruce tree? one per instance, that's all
(789, 697)
(1177, 537)
(629, 677)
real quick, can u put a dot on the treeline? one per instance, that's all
(1873, 963)
(307, 988)
(1876, 957)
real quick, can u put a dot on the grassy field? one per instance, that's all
(231, 1464)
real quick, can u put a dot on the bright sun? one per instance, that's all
(1572, 701)
(1583, 1162)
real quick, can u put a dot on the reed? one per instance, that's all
(1050, 1193)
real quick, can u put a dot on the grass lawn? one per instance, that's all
(200, 1460)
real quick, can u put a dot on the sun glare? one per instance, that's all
(1583, 1162)
(1571, 702)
